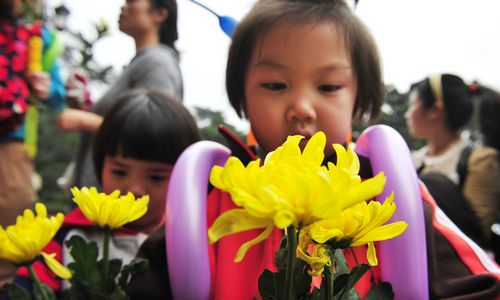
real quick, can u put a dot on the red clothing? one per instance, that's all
(232, 280)
(452, 262)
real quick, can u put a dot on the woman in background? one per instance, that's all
(153, 26)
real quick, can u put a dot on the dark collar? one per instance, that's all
(246, 154)
(365, 168)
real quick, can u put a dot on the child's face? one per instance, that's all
(140, 178)
(300, 81)
(419, 120)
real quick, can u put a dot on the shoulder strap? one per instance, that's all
(462, 166)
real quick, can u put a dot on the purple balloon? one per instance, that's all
(186, 220)
(403, 260)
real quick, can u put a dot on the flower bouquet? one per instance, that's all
(322, 209)
(92, 274)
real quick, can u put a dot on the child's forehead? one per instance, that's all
(130, 162)
(286, 37)
(289, 28)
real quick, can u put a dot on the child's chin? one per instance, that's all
(303, 143)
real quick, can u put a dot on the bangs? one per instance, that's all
(145, 125)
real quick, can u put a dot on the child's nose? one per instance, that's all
(301, 109)
(408, 114)
(137, 189)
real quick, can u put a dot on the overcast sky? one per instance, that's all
(415, 38)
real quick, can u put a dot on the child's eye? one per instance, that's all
(274, 86)
(119, 172)
(328, 88)
(158, 178)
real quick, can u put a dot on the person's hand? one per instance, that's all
(40, 84)
(72, 119)
(75, 90)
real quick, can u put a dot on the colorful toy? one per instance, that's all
(38, 61)
(389, 153)
(226, 23)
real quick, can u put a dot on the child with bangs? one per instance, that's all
(135, 149)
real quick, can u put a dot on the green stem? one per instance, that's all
(38, 284)
(105, 256)
(290, 264)
(330, 276)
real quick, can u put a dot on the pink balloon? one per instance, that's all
(186, 220)
(403, 260)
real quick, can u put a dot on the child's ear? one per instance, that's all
(160, 15)
(436, 111)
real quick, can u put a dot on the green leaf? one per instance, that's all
(348, 281)
(47, 291)
(271, 284)
(281, 254)
(115, 266)
(136, 266)
(15, 291)
(339, 285)
(302, 280)
(380, 291)
(118, 294)
(340, 263)
(318, 294)
(85, 267)
(356, 273)
(352, 294)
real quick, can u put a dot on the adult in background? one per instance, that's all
(19, 81)
(153, 26)
(482, 174)
(440, 106)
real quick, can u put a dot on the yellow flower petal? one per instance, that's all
(372, 254)
(56, 266)
(234, 221)
(22, 242)
(324, 230)
(365, 190)
(314, 150)
(293, 188)
(382, 233)
(244, 248)
(113, 210)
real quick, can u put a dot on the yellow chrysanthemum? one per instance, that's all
(319, 257)
(361, 224)
(23, 242)
(111, 210)
(291, 188)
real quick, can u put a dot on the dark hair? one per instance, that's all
(168, 29)
(6, 9)
(489, 112)
(458, 105)
(267, 13)
(145, 125)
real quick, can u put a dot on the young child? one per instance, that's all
(298, 67)
(135, 149)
